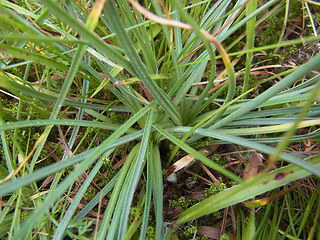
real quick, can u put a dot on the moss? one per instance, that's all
(24, 215)
(224, 237)
(191, 181)
(90, 193)
(203, 142)
(221, 160)
(189, 230)
(270, 34)
(135, 213)
(117, 118)
(182, 203)
(151, 233)
(215, 188)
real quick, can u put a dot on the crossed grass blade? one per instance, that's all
(156, 168)
(139, 67)
(90, 159)
(247, 190)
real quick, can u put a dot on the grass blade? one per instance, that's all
(54, 194)
(287, 81)
(197, 155)
(291, 158)
(139, 67)
(246, 190)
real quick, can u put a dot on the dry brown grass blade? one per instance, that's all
(209, 173)
(64, 142)
(14, 173)
(211, 232)
(91, 212)
(98, 218)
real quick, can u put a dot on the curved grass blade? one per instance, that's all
(63, 122)
(7, 82)
(120, 218)
(63, 224)
(137, 171)
(246, 190)
(107, 50)
(270, 129)
(204, 120)
(62, 96)
(197, 155)
(15, 184)
(96, 199)
(116, 224)
(299, 73)
(5, 148)
(291, 158)
(140, 69)
(250, 31)
(299, 120)
(27, 55)
(149, 190)
(55, 193)
(105, 225)
(158, 191)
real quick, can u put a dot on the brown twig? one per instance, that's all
(217, 32)
(98, 218)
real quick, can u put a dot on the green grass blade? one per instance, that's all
(204, 120)
(62, 96)
(54, 194)
(140, 69)
(116, 224)
(158, 192)
(262, 48)
(271, 129)
(105, 225)
(27, 55)
(197, 155)
(149, 190)
(250, 31)
(246, 190)
(63, 224)
(137, 171)
(291, 132)
(107, 50)
(16, 183)
(291, 158)
(287, 81)
(9, 83)
(52, 197)
(121, 214)
(40, 39)
(6, 149)
(141, 34)
(62, 122)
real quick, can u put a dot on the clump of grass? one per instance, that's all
(132, 89)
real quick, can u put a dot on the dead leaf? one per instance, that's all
(187, 160)
(210, 232)
(254, 162)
